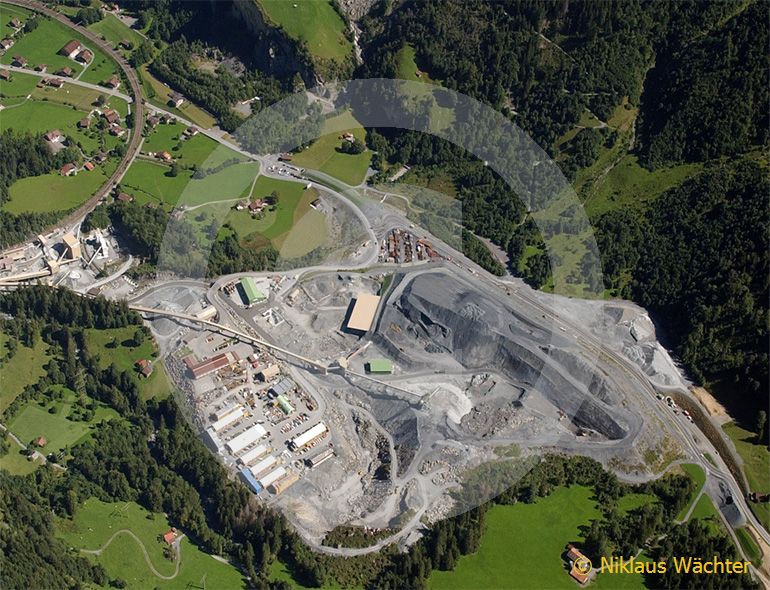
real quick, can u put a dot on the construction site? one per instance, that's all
(377, 393)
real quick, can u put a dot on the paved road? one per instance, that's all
(138, 106)
(73, 81)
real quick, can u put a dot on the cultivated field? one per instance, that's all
(52, 420)
(132, 556)
(52, 192)
(316, 23)
(112, 29)
(151, 182)
(323, 155)
(523, 544)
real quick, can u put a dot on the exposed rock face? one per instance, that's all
(273, 50)
(435, 314)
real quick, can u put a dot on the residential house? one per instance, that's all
(5, 75)
(19, 61)
(153, 121)
(113, 82)
(124, 198)
(54, 82)
(89, 166)
(53, 136)
(68, 169)
(84, 123)
(84, 56)
(176, 100)
(65, 71)
(15, 23)
(7, 43)
(165, 156)
(71, 49)
(117, 131)
(112, 116)
(41, 68)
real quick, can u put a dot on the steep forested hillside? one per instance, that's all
(598, 84)
(710, 97)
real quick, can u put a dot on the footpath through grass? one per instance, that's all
(96, 522)
(523, 544)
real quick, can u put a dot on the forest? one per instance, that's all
(151, 456)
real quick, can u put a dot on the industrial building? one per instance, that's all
(251, 293)
(253, 454)
(272, 477)
(379, 366)
(207, 313)
(269, 372)
(213, 441)
(300, 441)
(282, 387)
(245, 438)
(320, 458)
(231, 416)
(71, 246)
(285, 405)
(284, 483)
(264, 465)
(363, 312)
(211, 365)
(250, 480)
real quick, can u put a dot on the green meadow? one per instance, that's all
(523, 544)
(137, 557)
(323, 153)
(313, 21)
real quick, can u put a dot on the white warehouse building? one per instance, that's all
(300, 441)
(245, 438)
(263, 465)
(227, 419)
(272, 477)
(253, 454)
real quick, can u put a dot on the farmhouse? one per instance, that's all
(85, 56)
(362, 314)
(113, 82)
(574, 556)
(170, 536)
(124, 198)
(144, 367)
(65, 71)
(89, 166)
(54, 82)
(15, 23)
(84, 123)
(112, 116)
(68, 169)
(257, 206)
(19, 61)
(71, 49)
(6, 43)
(54, 136)
(41, 441)
(41, 68)
(5, 75)
(117, 131)
(165, 156)
(192, 131)
(153, 121)
(176, 100)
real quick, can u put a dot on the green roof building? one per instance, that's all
(284, 404)
(382, 366)
(253, 295)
